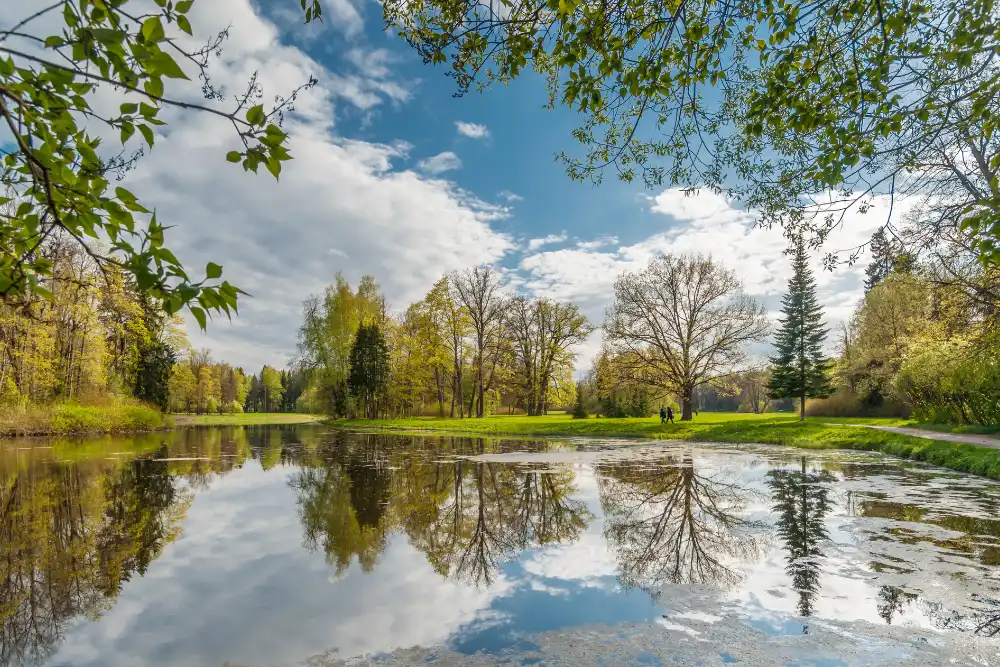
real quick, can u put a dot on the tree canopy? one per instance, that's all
(801, 110)
(59, 164)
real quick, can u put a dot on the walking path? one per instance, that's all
(966, 438)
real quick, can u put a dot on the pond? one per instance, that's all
(301, 545)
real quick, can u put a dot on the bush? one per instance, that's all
(233, 408)
(211, 405)
(952, 381)
(118, 415)
(845, 403)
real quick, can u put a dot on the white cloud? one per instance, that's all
(472, 130)
(440, 163)
(600, 242)
(535, 244)
(510, 196)
(706, 223)
(341, 204)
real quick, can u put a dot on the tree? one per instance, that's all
(270, 382)
(479, 290)
(579, 408)
(753, 387)
(888, 256)
(183, 387)
(330, 324)
(697, 95)
(56, 168)
(799, 368)
(542, 332)
(369, 377)
(152, 379)
(679, 323)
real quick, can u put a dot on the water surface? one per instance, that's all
(294, 545)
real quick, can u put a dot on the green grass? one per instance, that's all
(814, 433)
(118, 416)
(245, 419)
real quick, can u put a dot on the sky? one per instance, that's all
(396, 177)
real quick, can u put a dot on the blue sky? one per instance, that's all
(395, 177)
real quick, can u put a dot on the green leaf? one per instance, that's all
(54, 42)
(184, 24)
(153, 86)
(199, 315)
(234, 156)
(213, 271)
(147, 132)
(129, 107)
(255, 115)
(152, 29)
(184, 6)
(163, 64)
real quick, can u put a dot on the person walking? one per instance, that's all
(670, 415)
(663, 415)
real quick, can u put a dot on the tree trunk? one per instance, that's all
(802, 407)
(437, 381)
(686, 405)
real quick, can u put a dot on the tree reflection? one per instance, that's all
(671, 525)
(343, 501)
(70, 537)
(801, 500)
(891, 602)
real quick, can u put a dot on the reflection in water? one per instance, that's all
(671, 525)
(81, 520)
(466, 517)
(70, 537)
(802, 501)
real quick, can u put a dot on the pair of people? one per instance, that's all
(667, 414)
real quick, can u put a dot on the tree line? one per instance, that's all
(470, 347)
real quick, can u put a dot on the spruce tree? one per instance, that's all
(799, 369)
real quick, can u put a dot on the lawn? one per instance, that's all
(244, 419)
(776, 429)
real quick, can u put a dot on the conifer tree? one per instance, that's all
(579, 409)
(798, 366)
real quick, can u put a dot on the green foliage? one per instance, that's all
(152, 381)
(369, 376)
(60, 174)
(579, 407)
(799, 369)
(952, 381)
(786, 104)
(212, 405)
(630, 401)
(118, 416)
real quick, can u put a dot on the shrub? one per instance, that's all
(211, 405)
(952, 381)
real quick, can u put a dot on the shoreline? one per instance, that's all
(723, 428)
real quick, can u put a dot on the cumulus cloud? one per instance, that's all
(440, 163)
(535, 244)
(701, 222)
(472, 130)
(341, 205)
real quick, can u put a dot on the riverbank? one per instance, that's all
(814, 433)
(73, 419)
(245, 419)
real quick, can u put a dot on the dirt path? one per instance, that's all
(966, 438)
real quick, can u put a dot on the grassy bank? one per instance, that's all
(70, 418)
(245, 419)
(814, 433)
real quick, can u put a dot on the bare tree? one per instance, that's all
(479, 290)
(753, 388)
(679, 323)
(543, 333)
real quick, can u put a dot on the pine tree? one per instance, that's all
(579, 409)
(799, 367)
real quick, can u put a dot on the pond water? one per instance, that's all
(298, 545)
